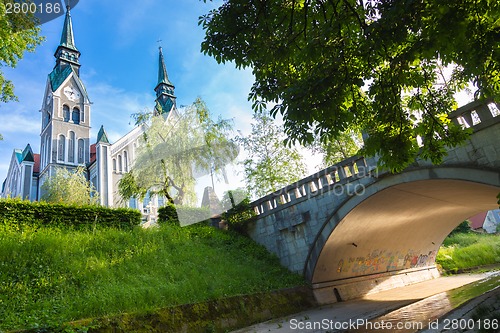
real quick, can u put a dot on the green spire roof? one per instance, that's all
(28, 154)
(58, 75)
(24, 155)
(162, 71)
(67, 39)
(102, 136)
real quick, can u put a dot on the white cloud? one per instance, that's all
(113, 107)
(18, 123)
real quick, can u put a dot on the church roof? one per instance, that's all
(67, 39)
(58, 75)
(19, 155)
(24, 155)
(27, 154)
(93, 155)
(102, 136)
(211, 201)
(36, 167)
(163, 106)
(162, 71)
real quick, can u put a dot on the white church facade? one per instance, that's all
(65, 134)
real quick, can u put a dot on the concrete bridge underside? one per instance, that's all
(390, 236)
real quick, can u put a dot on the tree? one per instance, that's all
(69, 187)
(18, 33)
(335, 150)
(333, 65)
(232, 198)
(174, 151)
(270, 164)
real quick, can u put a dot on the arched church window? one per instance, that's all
(120, 165)
(76, 115)
(46, 118)
(47, 150)
(66, 113)
(61, 147)
(71, 147)
(81, 155)
(114, 164)
(125, 161)
(43, 150)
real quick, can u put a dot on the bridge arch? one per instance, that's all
(395, 227)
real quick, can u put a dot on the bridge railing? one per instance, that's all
(478, 114)
(332, 178)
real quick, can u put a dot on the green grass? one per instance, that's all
(49, 276)
(465, 250)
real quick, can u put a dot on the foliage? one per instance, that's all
(129, 188)
(69, 186)
(49, 276)
(22, 215)
(270, 164)
(466, 250)
(232, 197)
(182, 215)
(335, 150)
(462, 228)
(168, 214)
(239, 215)
(333, 66)
(177, 149)
(18, 33)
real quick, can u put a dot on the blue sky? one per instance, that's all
(118, 42)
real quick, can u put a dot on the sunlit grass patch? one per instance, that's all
(465, 250)
(49, 276)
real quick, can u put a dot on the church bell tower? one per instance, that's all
(65, 110)
(165, 98)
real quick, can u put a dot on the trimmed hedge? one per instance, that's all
(18, 213)
(181, 215)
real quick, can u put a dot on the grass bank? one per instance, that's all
(462, 251)
(50, 276)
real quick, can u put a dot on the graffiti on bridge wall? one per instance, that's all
(382, 261)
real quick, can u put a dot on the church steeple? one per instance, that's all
(165, 98)
(67, 38)
(65, 132)
(162, 71)
(67, 53)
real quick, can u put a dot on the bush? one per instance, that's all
(462, 228)
(19, 214)
(182, 215)
(238, 216)
(168, 214)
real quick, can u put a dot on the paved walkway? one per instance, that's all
(340, 315)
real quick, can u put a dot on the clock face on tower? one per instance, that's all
(71, 93)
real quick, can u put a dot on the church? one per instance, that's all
(65, 134)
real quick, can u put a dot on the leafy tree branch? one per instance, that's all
(334, 66)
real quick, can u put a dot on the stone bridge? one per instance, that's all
(351, 230)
